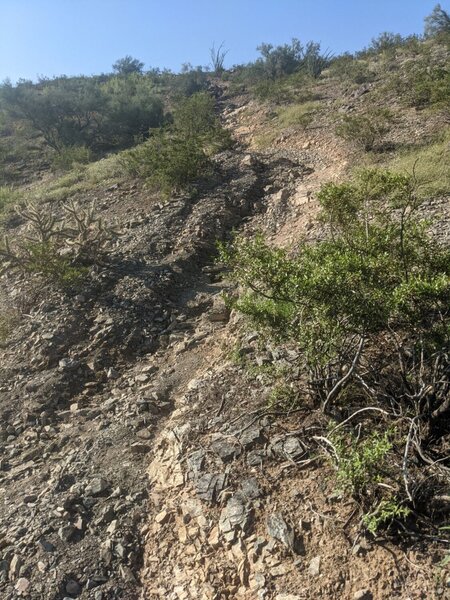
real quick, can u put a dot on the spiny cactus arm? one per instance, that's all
(42, 225)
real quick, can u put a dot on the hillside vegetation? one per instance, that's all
(307, 196)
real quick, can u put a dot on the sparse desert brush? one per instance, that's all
(365, 130)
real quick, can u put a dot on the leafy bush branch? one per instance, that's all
(369, 307)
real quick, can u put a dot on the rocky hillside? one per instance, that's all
(144, 452)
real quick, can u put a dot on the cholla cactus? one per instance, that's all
(85, 232)
(80, 234)
(41, 226)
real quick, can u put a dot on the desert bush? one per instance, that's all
(195, 117)
(218, 56)
(297, 115)
(369, 310)
(429, 161)
(174, 157)
(365, 130)
(190, 81)
(169, 162)
(278, 92)
(8, 322)
(378, 270)
(386, 511)
(360, 463)
(428, 88)
(8, 196)
(350, 68)
(71, 157)
(85, 111)
(128, 65)
(131, 107)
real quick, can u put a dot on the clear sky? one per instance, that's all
(53, 37)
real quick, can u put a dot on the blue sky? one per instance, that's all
(53, 37)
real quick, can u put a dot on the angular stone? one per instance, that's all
(15, 566)
(66, 533)
(235, 516)
(97, 486)
(139, 448)
(250, 488)
(226, 447)
(250, 436)
(46, 546)
(281, 531)
(195, 461)
(288, 447)
(209, 486)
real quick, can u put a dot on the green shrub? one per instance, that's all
(430, 88)
(300, 115)
(437, 23)
(278, 91)
(365, 130)
(361, 463)
(384, 513)
(195, 117)
(377, 273)
(71, 157)
(8, 196)
(430, 165)
(58, 249)
(44, 260)
(349, 68)
(169, 162)
(175, 157)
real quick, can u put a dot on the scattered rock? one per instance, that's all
(235, 515)
(22, 586)
(209, 486)
(226, 447)
(97, 486)
(314, 566)
(281, 531)
(73, 587)
(66, 533)
(250, 488)
(363, 595)
(14, 567)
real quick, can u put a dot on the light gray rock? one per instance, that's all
(66, 533)
(97, 486)
(250, 488)
(314, 566)
(235, 516)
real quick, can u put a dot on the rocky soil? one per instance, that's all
(134, 462)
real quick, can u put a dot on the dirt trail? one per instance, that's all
(239, 507)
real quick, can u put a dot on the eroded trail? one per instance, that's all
(89, 382)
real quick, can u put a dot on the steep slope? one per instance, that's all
(139, 457)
